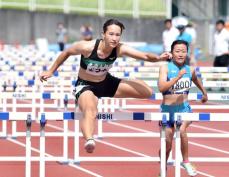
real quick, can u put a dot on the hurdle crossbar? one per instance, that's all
(155, 96)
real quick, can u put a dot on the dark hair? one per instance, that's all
(181, 27)
(179, 42)
(220, 22)
(167, 20)
(113, 22)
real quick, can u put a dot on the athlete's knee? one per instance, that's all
(183, 132)
(183, 128)
(148, 93)
(90, 113)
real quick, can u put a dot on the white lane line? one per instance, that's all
(107, 143)
(146, 131)
(208, 147)
(207, 128)
(204, 174)
(130, 127)
(143, 131)
(49, 155)
(124, 149)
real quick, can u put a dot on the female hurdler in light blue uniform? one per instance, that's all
(175, 80)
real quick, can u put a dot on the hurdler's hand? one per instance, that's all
(45, 75)
(165, 56)
(181, 73)
(204, 98)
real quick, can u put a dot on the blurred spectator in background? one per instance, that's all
(188, 38)
(169, 35)
(86, 32)
(190, 29)
(61, 33)
(221, 45)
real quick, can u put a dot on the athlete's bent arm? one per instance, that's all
(163, 84)
(131, 52)
(199, 84)
(75, 49)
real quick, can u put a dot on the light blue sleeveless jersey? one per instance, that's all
(183, 85)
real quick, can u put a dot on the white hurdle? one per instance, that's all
(66, 116)
(107, 106)
(122, 104)
(6, 116)
(112, 117)
(203, 117)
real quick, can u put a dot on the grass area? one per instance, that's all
(155, 5)
(124, 7)
(15, 4)
(54, 2)
(118, 4)
(18, 1)
(84, 3)
(78, 6)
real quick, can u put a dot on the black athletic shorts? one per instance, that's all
(222, 61)
(105, 88)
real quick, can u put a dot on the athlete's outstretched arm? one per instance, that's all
(163, 84)
(131, 52)
(75, 49)
(199, 84)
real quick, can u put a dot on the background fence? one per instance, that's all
(143, 18)
(134, 8)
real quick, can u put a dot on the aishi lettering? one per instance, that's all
(106, 116)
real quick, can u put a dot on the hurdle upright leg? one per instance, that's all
(76, 137)
(65, 137)
(163, 149)
(42, 145)
(177, 149)
(76, 142)
(65, 143)
(28, 147)
(14, 123)
(163, 152)
(34, 104)
(4, 122)
(4, 128)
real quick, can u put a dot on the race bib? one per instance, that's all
(182, 85)
(98, 69)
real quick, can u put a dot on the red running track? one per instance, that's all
(205, 147)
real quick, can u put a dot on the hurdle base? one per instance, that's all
(3, 137)
(63, 162)
(99, 137)
(13, 137)
(76, 162)
(171, 162)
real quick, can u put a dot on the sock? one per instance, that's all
(186, 161)
(90, 139)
